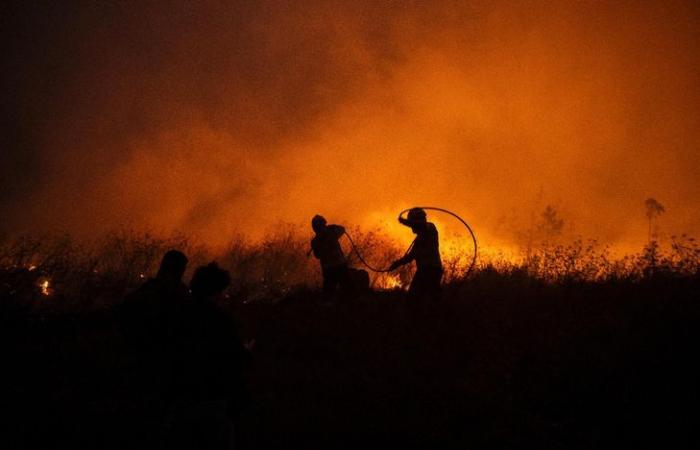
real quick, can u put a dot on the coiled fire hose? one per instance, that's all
(431, 208)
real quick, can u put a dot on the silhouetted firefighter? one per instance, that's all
(189, 363)
(425, 251)
(150, 320)
(211, 388)
(149, 316)
(326, 248)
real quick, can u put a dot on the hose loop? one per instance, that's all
(431, 208)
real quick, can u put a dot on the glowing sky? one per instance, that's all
(221, 118)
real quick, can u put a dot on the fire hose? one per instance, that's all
(466, 225)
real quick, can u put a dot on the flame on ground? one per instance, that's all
(45, 287)
(388, 282)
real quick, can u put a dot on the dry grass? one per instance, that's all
(80, 276)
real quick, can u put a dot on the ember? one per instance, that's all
(44, 286)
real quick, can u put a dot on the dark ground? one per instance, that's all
(507, 363)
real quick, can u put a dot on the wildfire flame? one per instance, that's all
(44, 286)
(389, 282)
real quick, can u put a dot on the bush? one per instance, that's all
(56, 272)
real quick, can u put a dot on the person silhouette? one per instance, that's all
(326, 248)
(211, 390)
(146, 314)
(149, 320)
(425, 251)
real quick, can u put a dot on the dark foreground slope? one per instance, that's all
(507, 362)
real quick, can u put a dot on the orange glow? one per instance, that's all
(388, 282)
(226, 122)
(45, 287)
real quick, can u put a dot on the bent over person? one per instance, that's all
(426, 252)
(326, 248)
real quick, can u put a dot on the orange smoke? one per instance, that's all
(227, 120)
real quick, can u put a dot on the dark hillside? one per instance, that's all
(506, 362)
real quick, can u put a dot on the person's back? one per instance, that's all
(426, 248)
(148, 315)
(326, 246)
(211, 388)
(214, 357)
(149, 319)
(426, 252)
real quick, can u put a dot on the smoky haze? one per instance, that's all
(226, 118)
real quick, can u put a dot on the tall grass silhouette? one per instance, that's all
(566, 347)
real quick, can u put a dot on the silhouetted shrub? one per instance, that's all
(56, 272)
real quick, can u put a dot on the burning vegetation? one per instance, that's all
(97, 274)
(216, 123)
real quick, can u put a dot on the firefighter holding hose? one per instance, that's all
(426, 252)
(326, 248)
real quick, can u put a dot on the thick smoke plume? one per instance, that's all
(224, 118)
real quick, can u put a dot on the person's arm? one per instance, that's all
(407, 258)
(314, 249)
(336, 230)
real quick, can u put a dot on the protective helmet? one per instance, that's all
(417, 215)
(318, 222)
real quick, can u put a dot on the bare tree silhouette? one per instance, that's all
(550, 225)
(653, 210)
